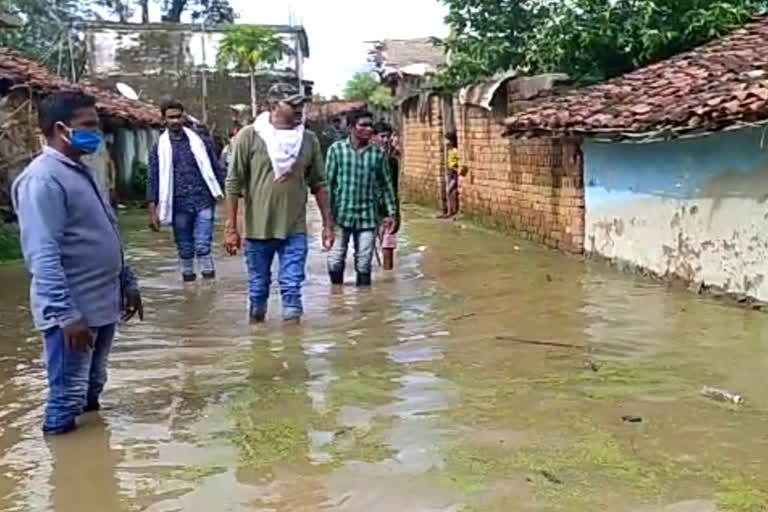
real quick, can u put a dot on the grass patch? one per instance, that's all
(196, 474)
(270, 425)
(560, 476)
(570, 477)
(366, 386)
(10, 245)
(359, 446)
(741, 495)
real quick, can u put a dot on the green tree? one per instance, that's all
(249, 47)
(367, 87)
(487, 36)
(46, 34)
(596, 39)
(588, 39)
(360, 87)
(212, 11)
(382, 98)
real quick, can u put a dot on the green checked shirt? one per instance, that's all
(359, 185)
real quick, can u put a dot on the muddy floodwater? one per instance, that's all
(483, 375)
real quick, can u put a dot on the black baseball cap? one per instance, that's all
(286, 92)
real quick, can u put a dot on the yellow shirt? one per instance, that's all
(453, 159)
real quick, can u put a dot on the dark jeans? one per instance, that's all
(292, 253)
(193, 232)
(75, 379)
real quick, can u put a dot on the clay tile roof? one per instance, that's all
(22, 71)
(720, 85)
(326, 110)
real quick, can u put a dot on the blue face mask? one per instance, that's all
(85, 141)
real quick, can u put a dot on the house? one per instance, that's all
(405, 64)
(161, 60)
(328, 119)
(675, 163)
(130, 127)
(530, 187)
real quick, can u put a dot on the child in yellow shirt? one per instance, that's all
(452, 177)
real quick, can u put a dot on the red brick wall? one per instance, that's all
(423, 156)
(530, 187)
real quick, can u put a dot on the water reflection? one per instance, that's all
(85, 469)
(410, 396)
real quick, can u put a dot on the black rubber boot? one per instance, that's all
(363, 279)
(209, 275)
(336, 277)
(188, 278)
(92, 406)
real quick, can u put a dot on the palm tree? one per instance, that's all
(248, 47)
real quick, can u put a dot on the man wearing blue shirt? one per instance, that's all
(72, 248)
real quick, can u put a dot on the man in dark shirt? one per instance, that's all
(193, 199)
(382, 137)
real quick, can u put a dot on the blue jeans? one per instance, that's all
(75, 379)
(292, 254)
(193, 232)
(364, 246)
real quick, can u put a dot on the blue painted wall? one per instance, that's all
(695, 208)
(682, 169)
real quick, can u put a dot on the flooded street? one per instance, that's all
(483, 375)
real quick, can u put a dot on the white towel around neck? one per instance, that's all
(165, 163)
(283, 146)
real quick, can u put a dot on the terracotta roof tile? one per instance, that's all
(709, 88)
(326, 110)
(24, 71)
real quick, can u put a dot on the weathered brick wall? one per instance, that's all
(531, 187)
(423, 153)
(165, 62)
(19, 139)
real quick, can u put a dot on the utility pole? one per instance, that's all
(204, 99)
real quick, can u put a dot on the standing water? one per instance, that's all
(479, 376)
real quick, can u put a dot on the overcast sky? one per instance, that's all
(338, 28)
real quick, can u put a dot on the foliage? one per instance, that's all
(588, 39)
(360, 87)
(487, 36)
(10, 247)
(248, 47)
(43, 36)
(139, 179)
(212, 11)
(382, 98)
(367, 87)
(597, 39)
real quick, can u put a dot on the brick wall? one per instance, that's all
(19, 139)
(531, 187)
(423, 155)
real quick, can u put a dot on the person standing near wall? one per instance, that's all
(72, 248)
(273, 163)
(362, 197)
(451, 177)
(383, 134)
(184, 183)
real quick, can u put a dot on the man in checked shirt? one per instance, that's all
(360, 187)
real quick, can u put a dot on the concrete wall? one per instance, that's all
(697, 208)
(533, 187)
(159, 62)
